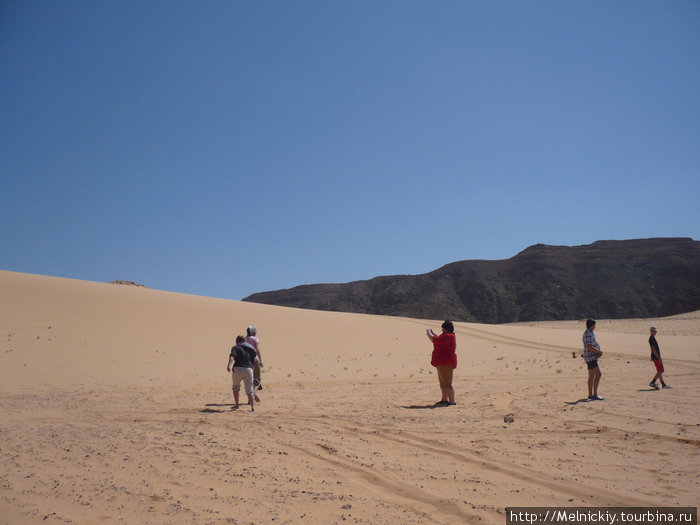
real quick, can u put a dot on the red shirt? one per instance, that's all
(444, 347)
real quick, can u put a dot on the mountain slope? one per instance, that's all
(606, 279)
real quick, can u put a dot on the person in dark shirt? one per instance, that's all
(242, 357)
(656, 358)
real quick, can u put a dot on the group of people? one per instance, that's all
(592, 351)
(444, 359)
(245, 362)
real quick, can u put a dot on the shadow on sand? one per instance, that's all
(418, 407)
(584, 400)
(217, 408)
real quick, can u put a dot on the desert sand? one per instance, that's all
(116, 407)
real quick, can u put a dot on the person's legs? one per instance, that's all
(450, 390)
(441, 380)
(238, 376)
(591, 381)
(594, 375)
(657, 375)
(256, 376)
(596, 381)
(445, 375)
(236, 387)
(653, 381)
(256, 381)
(249, 387)
(659, 364)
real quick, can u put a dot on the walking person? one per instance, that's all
(656, 358)
(242, 357)
(252, 340)
(591, 353)
(444, 359)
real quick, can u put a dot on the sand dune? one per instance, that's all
(116, 408)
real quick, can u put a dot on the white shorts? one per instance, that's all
(239, 374)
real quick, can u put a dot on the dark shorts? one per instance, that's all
(659, 364)
(592, 364)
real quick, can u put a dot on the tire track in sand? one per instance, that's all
(519, 473)
(416, 500)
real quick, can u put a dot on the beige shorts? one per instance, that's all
(239, 374)
(445, 374)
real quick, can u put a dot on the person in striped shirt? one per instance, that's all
(591, 353)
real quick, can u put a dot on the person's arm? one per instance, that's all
(259, 354)
(655, 352)
(592, 349)
(230, 362)
(431, 335)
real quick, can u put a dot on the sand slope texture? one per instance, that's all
(116, 407)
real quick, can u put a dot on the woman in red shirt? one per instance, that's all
(445, 360)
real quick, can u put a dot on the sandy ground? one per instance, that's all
(115, 407)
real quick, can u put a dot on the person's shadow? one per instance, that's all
(572, 403)
(422, 407)
(208, 410)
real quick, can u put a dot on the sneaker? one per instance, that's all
(665, 386)
(256, 397)
(451, 404)
(442, 403)
(596, 398)
(654, 386)
(235, 406)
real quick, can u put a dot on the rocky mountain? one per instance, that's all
(606, 279)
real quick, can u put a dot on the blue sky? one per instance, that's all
(223, 148)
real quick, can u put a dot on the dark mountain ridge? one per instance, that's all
(605, 279)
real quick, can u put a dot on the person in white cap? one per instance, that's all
(656, 358)
(252, 340)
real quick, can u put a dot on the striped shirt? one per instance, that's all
(589, 339)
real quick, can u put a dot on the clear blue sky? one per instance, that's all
(223, 148)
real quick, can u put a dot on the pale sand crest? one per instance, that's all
(116, 408)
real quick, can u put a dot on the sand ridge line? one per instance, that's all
(548, 347)
(469, 329)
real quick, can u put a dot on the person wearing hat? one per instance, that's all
(252, 340)
(656, 358)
